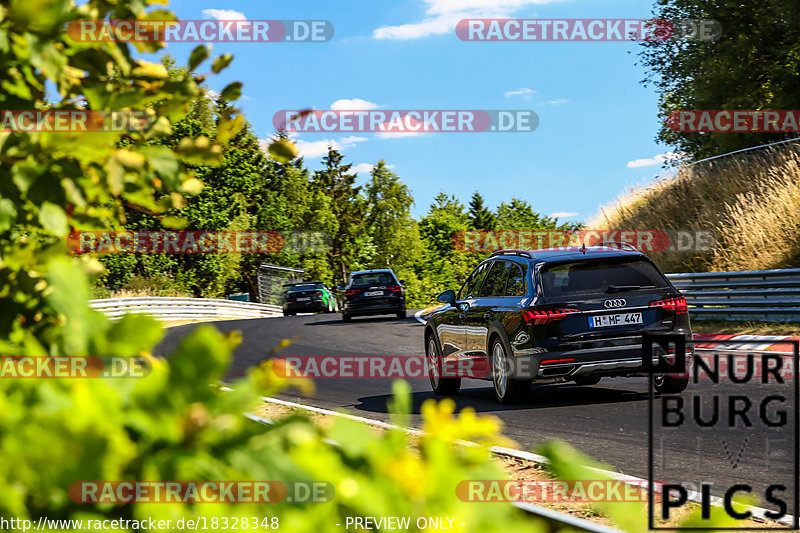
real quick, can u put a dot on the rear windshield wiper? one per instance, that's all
(622, 288)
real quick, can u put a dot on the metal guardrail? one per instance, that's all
(168, 309)
(768, 295)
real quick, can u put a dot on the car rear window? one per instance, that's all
(593, 277)
(366, 280)
(308, 287)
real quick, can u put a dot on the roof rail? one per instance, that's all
(523, 253)
(620, 245)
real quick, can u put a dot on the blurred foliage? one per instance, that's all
(174, 424)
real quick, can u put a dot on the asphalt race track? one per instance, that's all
(608, 421)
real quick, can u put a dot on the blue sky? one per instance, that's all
(597, 122)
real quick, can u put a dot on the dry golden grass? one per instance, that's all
(146, 292)
(751, 201)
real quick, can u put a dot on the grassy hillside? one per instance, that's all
(751, 201)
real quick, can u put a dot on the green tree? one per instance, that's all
(753, 65)
(349, 243)
(395, 234)
(519, 215)
(389, 221)
(480, 217)
(443, 267)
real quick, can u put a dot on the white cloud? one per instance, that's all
(349, 141)
(655, 160)
(524, 92)
(366, 168)
(311, 149)
(223, 14)
(557, 101)
(563, 214)
(441, 16)
(363, 168)
(355, 104)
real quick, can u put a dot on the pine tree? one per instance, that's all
(348, 207)
(479, 215)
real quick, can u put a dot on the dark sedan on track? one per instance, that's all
(373, 292)
(308, 297)
(551, 316)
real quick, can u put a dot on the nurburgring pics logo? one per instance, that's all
(735, 121)
(406, 121)
(74, 120)
(197, 242)
(742, 428)
(201, 31)
(592, 30)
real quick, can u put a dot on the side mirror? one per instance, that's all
(447, 297)
(402, 283)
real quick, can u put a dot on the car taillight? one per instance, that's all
(394, 288)
(319, 293)
(553, 361)
(351, 292)
(539, 317)
(672, 305)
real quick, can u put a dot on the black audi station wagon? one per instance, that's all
(554, 315)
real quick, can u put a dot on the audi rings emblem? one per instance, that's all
(611, 304)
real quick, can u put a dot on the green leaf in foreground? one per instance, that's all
(198, 55)
(283, 150)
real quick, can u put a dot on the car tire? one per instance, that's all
(346, 317)
(587, 380)
(401, 314)
(441, 386)
(506, 389)
(670, 384)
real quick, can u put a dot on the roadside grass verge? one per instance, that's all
(750, 201)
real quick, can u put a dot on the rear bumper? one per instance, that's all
(612, 361)
(304, 307)
(375, 309)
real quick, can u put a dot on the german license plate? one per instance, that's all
(622, 319)
(373, 293)
(303, 299)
